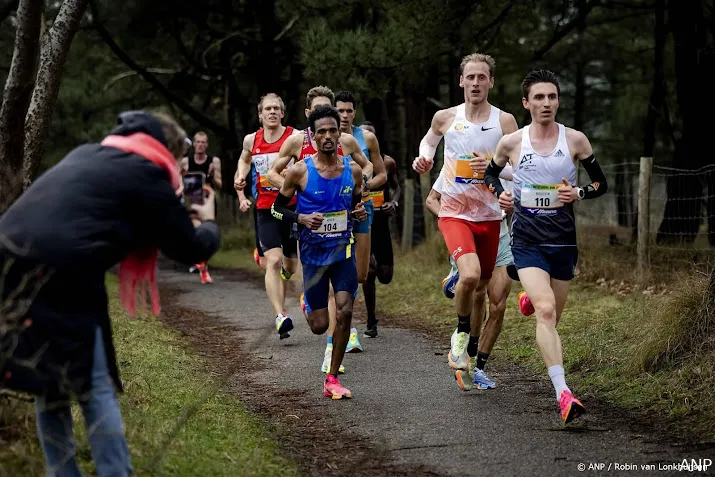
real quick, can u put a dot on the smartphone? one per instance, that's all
(194, 188)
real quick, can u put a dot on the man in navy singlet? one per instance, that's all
(329, 193)
(545, 156)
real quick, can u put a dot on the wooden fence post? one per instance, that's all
(644, 179)
(408, 214)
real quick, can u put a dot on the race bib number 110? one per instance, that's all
(541, 197)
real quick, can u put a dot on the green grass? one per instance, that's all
(608, 338)
(162, 380)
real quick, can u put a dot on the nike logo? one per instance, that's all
(487, 129)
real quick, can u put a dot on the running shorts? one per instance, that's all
(381, 239)
(316, 280)
(558, 262)
(274, 233)
(463, 236)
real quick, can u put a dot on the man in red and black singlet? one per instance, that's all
(200, 161)
(275, 238)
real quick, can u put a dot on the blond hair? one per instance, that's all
(173, 133)
(478, 58)
(271, 96)
(317, 92)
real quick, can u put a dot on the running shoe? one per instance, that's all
(571, 408)
(371, 332)
(449, 283)
(256, 257)
(205, 277)
(482, 381)
(328, 359)
(283, 325)
(285, 274)
(303, 306)
(525, 306)
(193, 269)
(354, 345)
(465, 379)
(333, 389)
(458, 357)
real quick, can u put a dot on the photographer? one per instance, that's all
(103, 204)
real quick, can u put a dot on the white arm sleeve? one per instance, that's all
(429, 143)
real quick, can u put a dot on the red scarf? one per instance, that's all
(138, 269)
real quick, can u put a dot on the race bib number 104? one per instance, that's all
(334, 222)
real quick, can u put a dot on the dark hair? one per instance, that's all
(367, 123)
(539, 76)
(346, 97)
(322, 112)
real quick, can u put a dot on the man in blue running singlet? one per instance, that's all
(329, 192)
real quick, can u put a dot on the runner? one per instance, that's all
(199, 162)
(274, 238)
(328, 188)
(497, 291)
(384, 198)
(469, 216)
(297, 148)
(544, 156)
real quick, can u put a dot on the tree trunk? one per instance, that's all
(54, 47)
(694, 57)
(16, 99)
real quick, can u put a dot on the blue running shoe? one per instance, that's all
(450, 281)
(482, 381)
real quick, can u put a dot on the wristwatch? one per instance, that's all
(365, 182)
(581, 193)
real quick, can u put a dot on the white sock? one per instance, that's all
(353, 330)
(556, 373)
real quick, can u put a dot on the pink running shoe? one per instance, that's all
(332, 388)
(525, 306)
(571, 408)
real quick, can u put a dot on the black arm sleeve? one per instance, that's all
(169, 223)
(491, 178)
(280, 209)
(598, 185)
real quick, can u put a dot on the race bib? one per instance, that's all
(464, 174)
(541, 198)
(263, 163)
(378, 198)
(333, 222)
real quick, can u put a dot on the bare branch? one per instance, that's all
(562, 32)
(288, 26)
(156, 71)
(151, 79)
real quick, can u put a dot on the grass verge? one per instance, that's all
(609, 338)
(163, 383)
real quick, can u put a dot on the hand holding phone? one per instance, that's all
(194, 183)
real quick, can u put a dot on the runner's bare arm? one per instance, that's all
(185, 164)
(393, 179)
(290, 151)
(291, 183)
(351, 147)
(432, 202)
(357, 208)
(378, 165)
(216, 166)
(244, 165)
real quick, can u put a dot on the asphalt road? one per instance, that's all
(407, 402)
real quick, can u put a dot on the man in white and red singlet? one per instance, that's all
(275, 238)
(300, 146)
(469, 215)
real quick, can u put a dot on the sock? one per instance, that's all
(330, 341)
(463, 323)
(473, 346)
(556, 373)
(482, 360)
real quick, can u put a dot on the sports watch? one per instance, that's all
(581, 193)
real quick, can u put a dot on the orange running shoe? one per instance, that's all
(333, 388)
(525, 306)
(256, 257)
(571, 408)
(205, 277)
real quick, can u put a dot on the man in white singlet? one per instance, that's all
(469, 215)
(544, 157)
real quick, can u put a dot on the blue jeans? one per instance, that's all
(103, 422)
